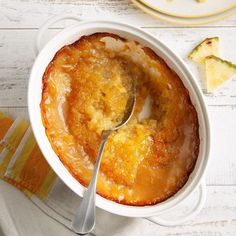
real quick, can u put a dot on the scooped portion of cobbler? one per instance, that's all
(85, 91)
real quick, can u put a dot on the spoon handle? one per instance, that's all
(84, 220)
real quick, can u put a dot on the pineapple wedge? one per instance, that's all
(210, 46)
(217, 72)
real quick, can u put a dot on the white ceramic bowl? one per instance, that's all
(72, 34)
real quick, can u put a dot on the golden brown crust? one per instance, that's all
(166, 136)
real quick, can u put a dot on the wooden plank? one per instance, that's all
(17, 48)
(15, 112)
(218, 216)
(182, 41)
(221, 168)
(31, 14)
(222, 165)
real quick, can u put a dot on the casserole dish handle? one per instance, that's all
(41, 33)
(188, 216)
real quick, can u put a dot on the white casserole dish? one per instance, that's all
(73, 33)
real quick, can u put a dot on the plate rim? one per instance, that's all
(187, 16)
(181, 20)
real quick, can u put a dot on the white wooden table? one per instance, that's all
(19, 21)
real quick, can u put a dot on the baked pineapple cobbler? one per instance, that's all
(85, 91)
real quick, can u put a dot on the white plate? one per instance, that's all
(190, 8)
(183, 20)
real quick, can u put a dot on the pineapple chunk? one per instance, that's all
(217, 72)
(201, 0)
(210, 46)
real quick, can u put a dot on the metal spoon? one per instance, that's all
(84, 220)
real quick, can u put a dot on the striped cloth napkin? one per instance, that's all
(21, 162)
(23, 165)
